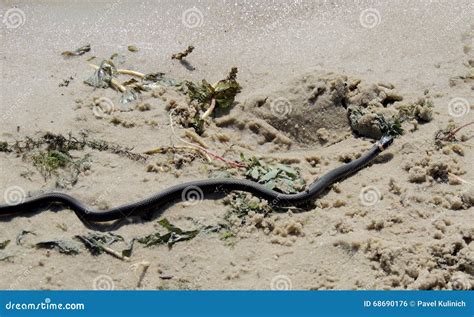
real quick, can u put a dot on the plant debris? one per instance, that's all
(78, 52)
(66, 82)
(280, 177)
(133, 48)
(4, 147)
(448, 135)
(181, 55)
(4, 244)
(219, 95)
(173, 235)
(63, 144)
(98, 243)
(95, 242)
(21, 235)
(65, 247)
(243, 203)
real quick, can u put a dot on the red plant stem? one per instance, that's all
(454, 131)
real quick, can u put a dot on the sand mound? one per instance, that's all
(315, 108)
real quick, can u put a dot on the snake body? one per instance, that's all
(199, 188)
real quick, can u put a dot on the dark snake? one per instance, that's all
(197, 189)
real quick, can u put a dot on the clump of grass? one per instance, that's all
(49, 162)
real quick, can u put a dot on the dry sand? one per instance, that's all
(405, 222)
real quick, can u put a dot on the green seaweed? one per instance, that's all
(173, 235)
(65, 247)
(279, 177)
(224, 91)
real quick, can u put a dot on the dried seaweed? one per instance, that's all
(4, 147)
(223, 92)
(133, 48)
(181, 55)
(65, 247)
(242, 204)
(280, 177)
(97, 243)
(173, 235)
(77, 52)
(4, 244)
(64, 144)
(21, 235)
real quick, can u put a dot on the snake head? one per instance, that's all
(385, 142)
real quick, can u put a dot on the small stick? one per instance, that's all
(231, 163)
(196, 138)
(130, 72)
(113, 252)
(454, 131)
(145, 265)
(178, 147)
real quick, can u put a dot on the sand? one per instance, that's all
(405, 222)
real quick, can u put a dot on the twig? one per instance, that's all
(145, 265)
(130, 72)
(180, 56)
(165, 149)
(229, 162)
(192, 135)
(451, 134)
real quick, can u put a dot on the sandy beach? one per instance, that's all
(404, 222)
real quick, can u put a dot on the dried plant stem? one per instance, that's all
(165, 149)
(218, 157)
(113, 252)
(145, 265)
(209, 110)
(451, 134)
(130, 72)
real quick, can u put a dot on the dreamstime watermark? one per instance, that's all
(458, 107)
(281, 283)
(369, 18)
(14, 18)
(8, 114)
(14, 195)
(192, 195)
(281, 107)
(103, 107)
(192, 18)
(23, 276)
(103, 283)
(369, 196)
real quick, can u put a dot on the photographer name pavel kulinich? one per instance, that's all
(441, 303)
(412, 303)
